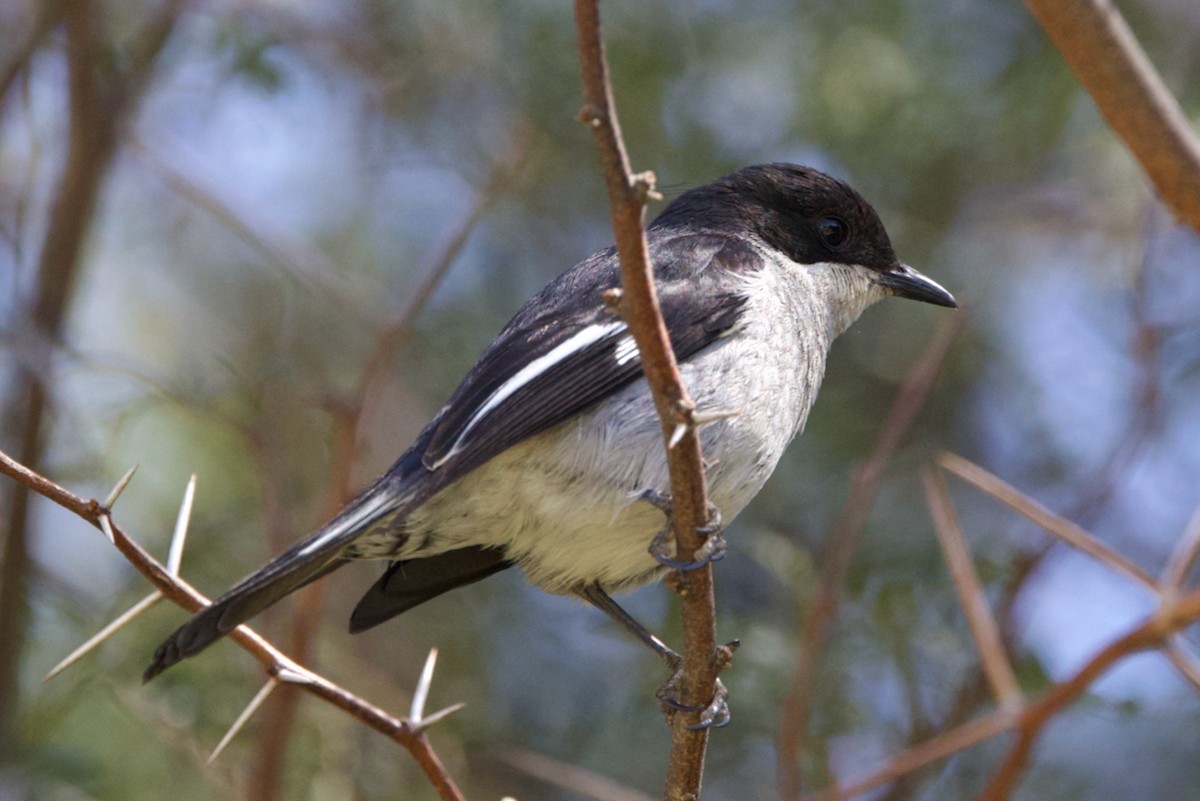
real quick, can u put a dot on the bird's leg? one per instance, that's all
(715, 714)
(713, 549)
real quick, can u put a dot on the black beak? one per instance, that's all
(905, 282)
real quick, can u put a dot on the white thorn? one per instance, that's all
(437, 717)
(175, 555)
(677, 435)
(421, 694)
(250, 709)
(704, 418)
(120, 487)
(105, 633)
(106, 527)
(295, 675)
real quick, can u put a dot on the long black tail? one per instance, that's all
(307, 560)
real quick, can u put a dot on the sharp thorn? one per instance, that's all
(677, 435)
(421, 693)
(106, 527)
(704, 418)
(104, 633)
(294, 675)
(175, 554)
(250, 709)
(120, 487)
(437, 717)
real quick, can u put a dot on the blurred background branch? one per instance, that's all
(98, 106)
(1105, 55)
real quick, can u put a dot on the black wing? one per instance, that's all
(564, 351)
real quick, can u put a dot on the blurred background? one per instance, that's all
(218, 223)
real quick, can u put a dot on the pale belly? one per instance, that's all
(565, 504)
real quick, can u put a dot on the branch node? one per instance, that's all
(614, 301)
(643, 186)
(591, 116)
(725, 654)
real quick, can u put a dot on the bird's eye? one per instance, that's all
(833, 231)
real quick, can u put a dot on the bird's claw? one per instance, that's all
(714, 715)
(713, 549)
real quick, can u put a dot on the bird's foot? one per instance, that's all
(713, 549)
(714, 715)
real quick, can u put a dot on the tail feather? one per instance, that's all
(414, 581)
(307, 560)
(240, 603)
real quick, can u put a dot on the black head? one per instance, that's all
(808, 216)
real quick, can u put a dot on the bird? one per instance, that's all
(549, 456)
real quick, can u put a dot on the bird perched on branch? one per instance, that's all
(549, 456)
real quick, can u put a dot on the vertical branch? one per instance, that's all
(89, 148)
(639, 307)
(95, 114)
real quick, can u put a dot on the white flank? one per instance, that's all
(627, 350)
(588, 336)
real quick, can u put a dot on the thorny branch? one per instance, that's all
(638, 305)
(280, 668)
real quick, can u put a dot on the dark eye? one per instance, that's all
(833, 231)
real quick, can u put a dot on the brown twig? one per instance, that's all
(1150, 634)
(821, 611)
(627, 195)
(572, 778)
(278, 665)
(1060, 527)
(918, 756)
(1102, 51)
(984, 630)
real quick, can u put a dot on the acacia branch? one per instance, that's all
(1105, 56)
(278, 665)
(638, 305)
